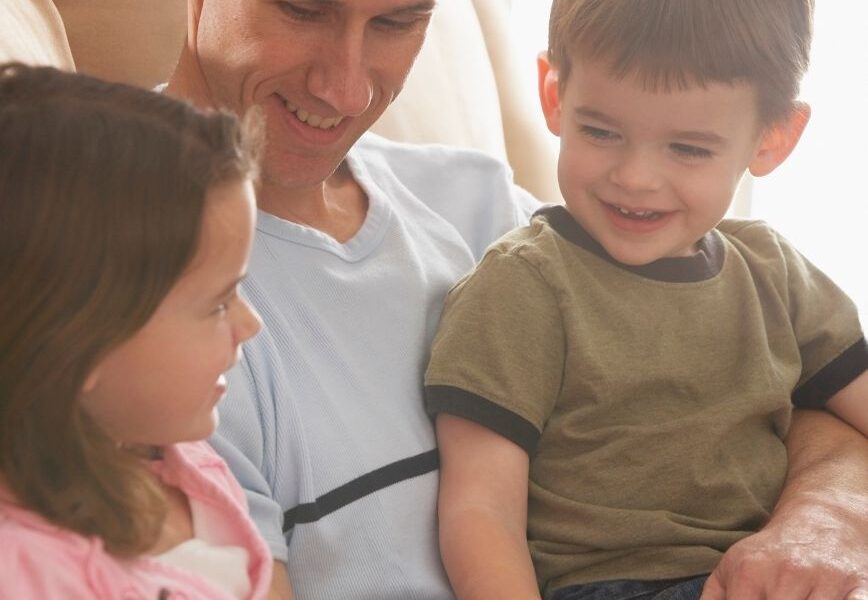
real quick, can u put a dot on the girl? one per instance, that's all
(125, 227)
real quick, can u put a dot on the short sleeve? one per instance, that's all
(826, 325)
(497, 358)
(239, 440)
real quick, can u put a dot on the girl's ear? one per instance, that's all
(91, 381)
(779, 139)
(549, 93)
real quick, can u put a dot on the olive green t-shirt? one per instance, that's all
(652, 400)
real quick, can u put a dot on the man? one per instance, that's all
(358, 241)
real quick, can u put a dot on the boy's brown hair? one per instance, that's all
(671, 44)
(102, 193)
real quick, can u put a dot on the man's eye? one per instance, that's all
(596, 133)
(688, 151)
(299, 12)
(405, 24)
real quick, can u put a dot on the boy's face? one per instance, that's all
(647, 174)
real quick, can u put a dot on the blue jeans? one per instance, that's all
(626, 589)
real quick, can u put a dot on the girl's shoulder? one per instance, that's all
(41, 560)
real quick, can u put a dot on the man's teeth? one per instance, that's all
(313, 120)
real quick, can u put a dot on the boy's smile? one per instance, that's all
(649, 173)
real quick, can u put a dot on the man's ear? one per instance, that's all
(549, 93)
(779, 139)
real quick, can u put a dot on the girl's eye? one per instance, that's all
(688, 151)
(598, 134)
(221, 308)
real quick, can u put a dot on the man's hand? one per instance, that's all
(820, 556)
(815, 547)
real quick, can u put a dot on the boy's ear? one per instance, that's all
(549, 93)
(779, 139)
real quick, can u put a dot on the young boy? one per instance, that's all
(630, 356)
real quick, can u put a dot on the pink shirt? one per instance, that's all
(41, 561)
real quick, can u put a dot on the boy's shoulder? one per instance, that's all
(754, 237)
(532, 242)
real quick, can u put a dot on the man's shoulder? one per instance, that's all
(428, 157)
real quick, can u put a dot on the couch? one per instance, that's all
(462, 89)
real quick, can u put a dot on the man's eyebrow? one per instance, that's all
(421, 6)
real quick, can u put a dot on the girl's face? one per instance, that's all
(162, 385)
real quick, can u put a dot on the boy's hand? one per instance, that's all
(815, 547)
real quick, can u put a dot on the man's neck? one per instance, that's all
(188, 82)
(336, 207)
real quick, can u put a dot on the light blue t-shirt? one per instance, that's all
(324, 423)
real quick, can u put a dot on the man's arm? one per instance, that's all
(482, 510)
(816, 543)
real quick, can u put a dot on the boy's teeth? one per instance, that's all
(313, 120)
(639, 214)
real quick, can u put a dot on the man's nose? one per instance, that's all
(340, 75)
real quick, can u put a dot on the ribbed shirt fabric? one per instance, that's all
(324, 422)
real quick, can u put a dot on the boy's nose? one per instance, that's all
(636, 171)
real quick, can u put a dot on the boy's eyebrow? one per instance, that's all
(583, 111)
(704, 137)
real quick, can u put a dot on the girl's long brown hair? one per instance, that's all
(102, 191)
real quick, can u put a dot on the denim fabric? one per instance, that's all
(626, 589)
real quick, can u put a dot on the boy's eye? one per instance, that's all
(688, 151)
(599, 134)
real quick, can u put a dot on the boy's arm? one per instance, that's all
(482, 510)
(816, 543)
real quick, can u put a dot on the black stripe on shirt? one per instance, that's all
(833, 378)
(360, 487)
(467, 405)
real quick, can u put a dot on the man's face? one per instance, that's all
(321, 70)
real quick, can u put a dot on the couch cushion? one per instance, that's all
(31, 31)
(133, 41)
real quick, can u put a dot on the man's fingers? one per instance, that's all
(713, 589)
